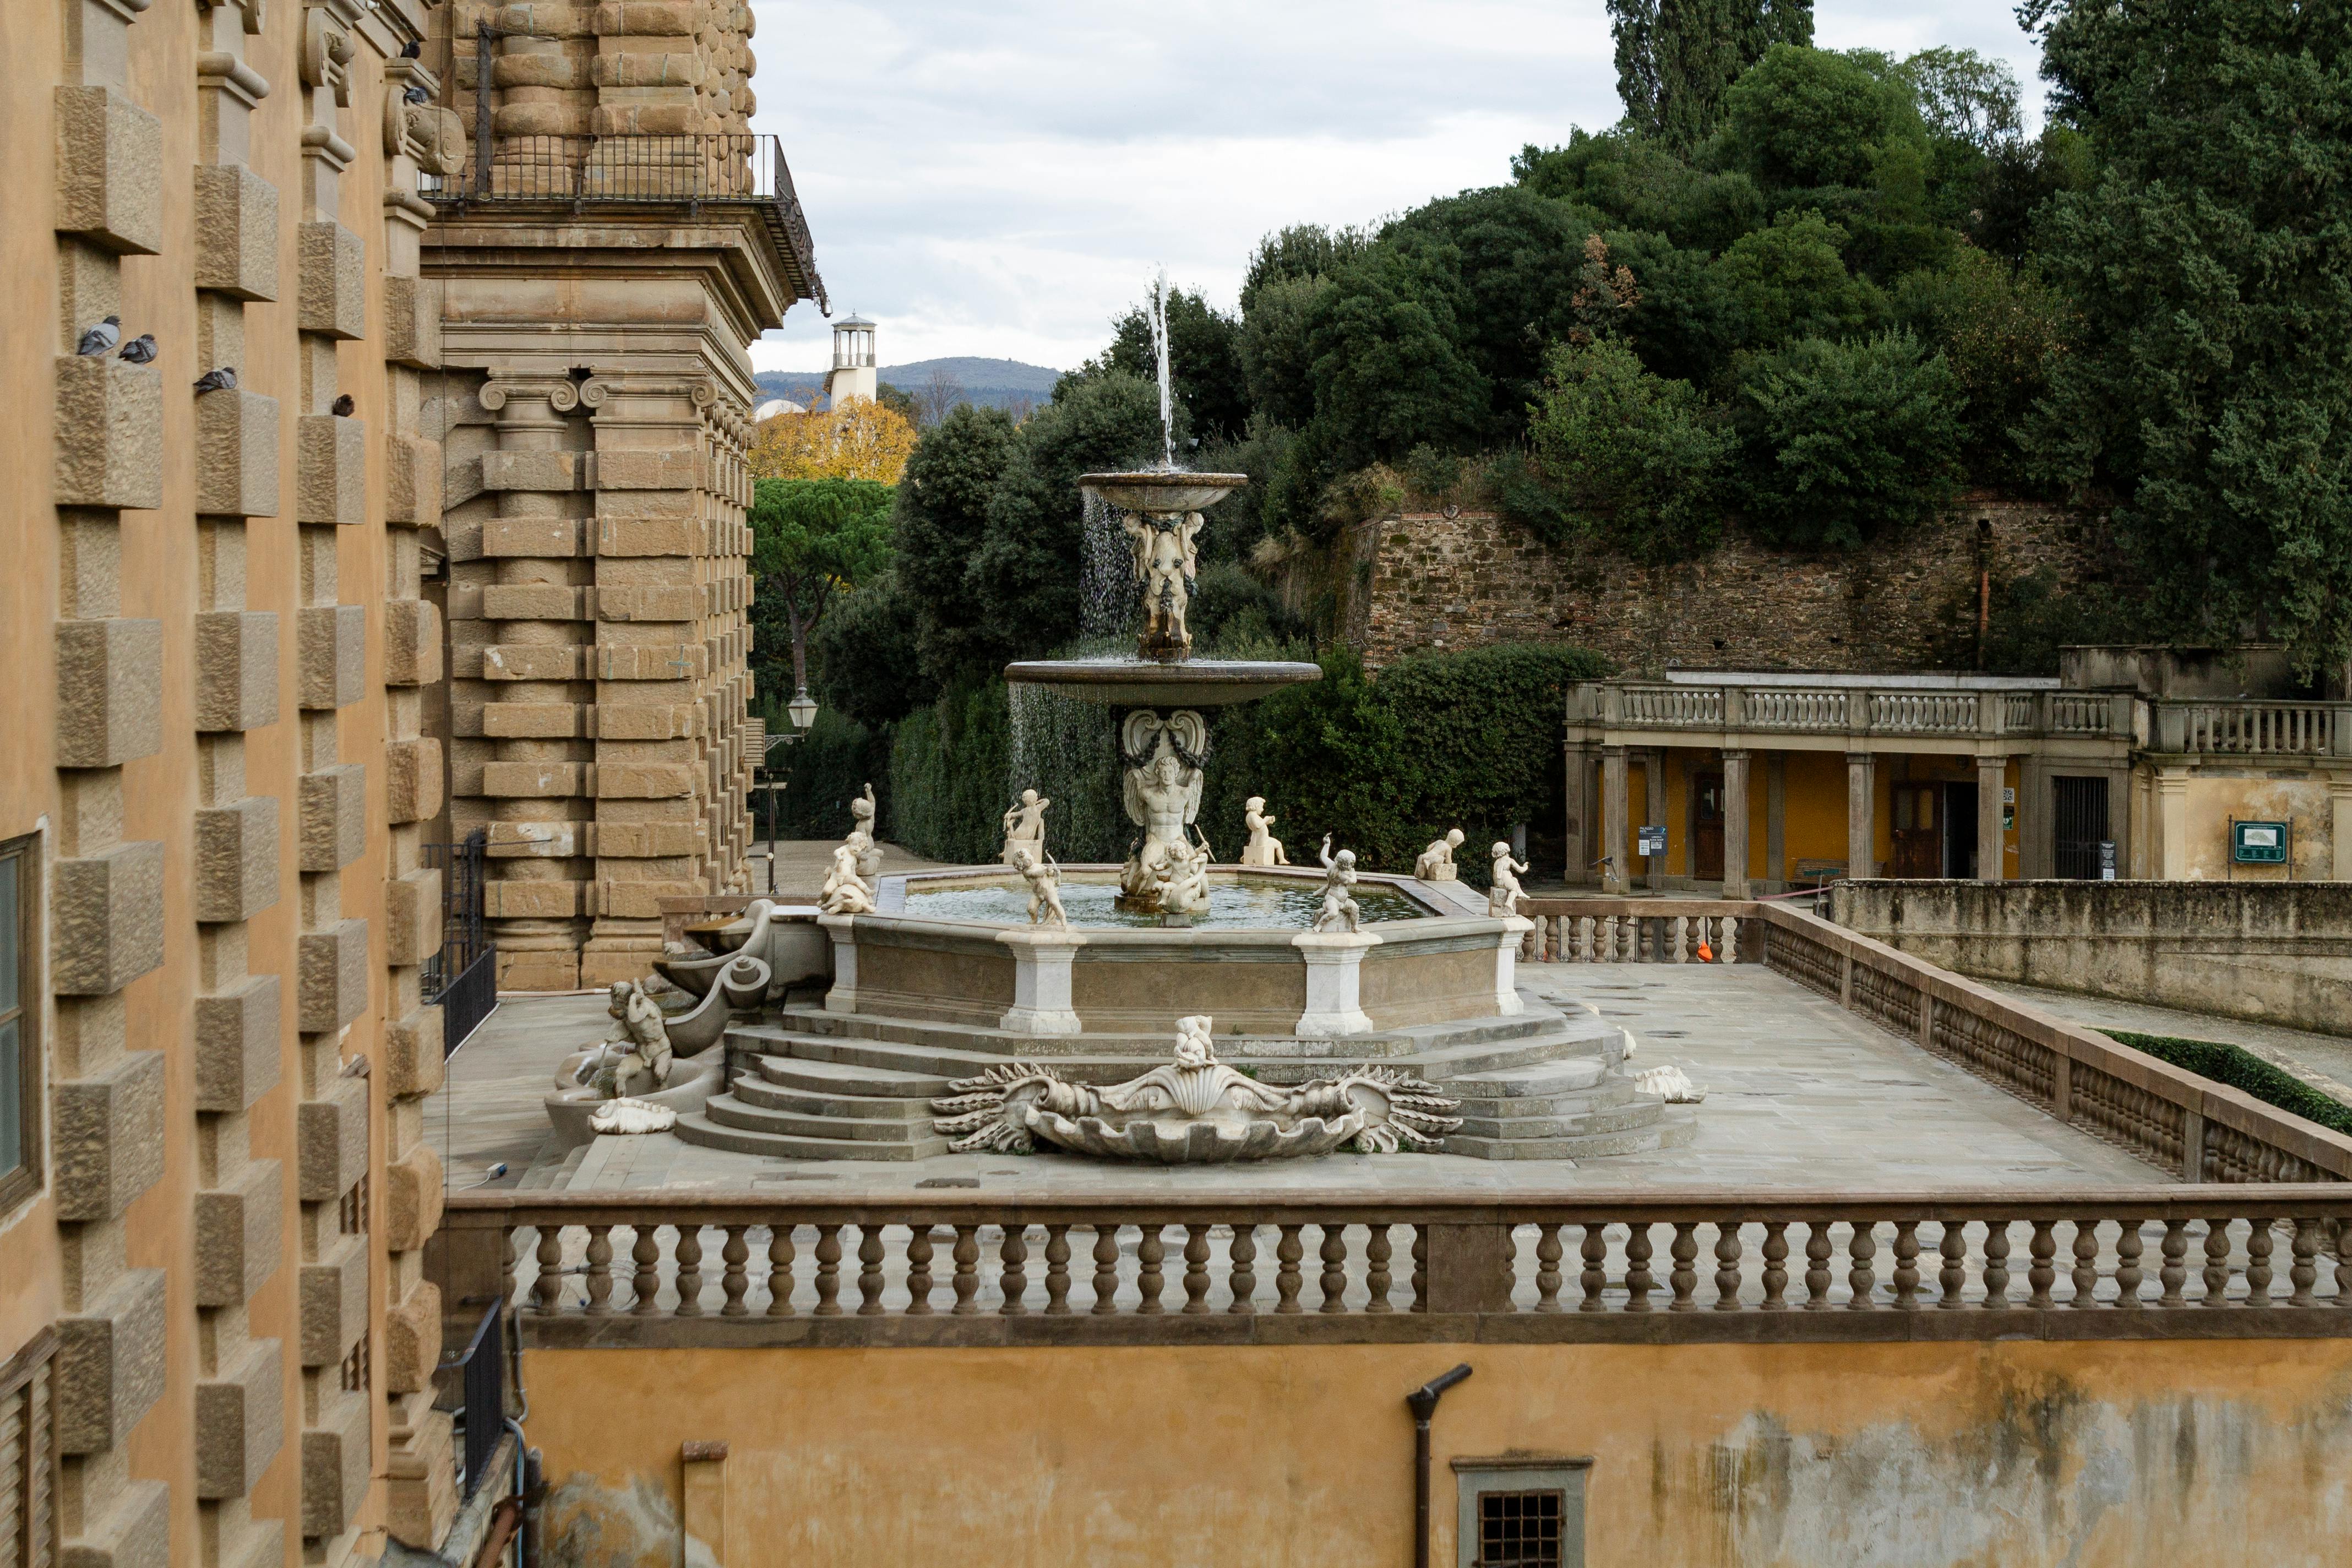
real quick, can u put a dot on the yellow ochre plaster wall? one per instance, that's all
(2106, 1455)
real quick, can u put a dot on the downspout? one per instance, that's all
(1423, 1403)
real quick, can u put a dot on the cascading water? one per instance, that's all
(1159, 353)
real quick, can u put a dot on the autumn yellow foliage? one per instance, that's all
(861, 441)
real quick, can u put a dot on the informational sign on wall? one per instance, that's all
(1650, 841)
(2258, 843)
(2106, 859)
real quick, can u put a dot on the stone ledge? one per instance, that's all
(238, 1234)
(109, 1138)
(236, 859)
(332, 1134)
(237, 232)
(533, 780)
(411, 489)
(109, 170)
(110, 1365)
(106, 920)
(412, 1340)
(412, 917)
(412, 642)
(334, 1301)
(332, 985)
(236, 1046)
(135, 1533)
(334, 817)
(236, 669)
(331, 469)
(240, 1423)
(334, 280)
(530, 661)
(413, 779)
(412, 1199)
(414, 1064)
(548, 471)
(109, 432)
(109, 691)
(412, 322)
(336, 1461)
(331, 646)
(237, 454)
(545, 538)
(519, 900)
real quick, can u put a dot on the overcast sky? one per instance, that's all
(1002, 179)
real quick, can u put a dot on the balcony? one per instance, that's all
(1781, 714)
(577, 173)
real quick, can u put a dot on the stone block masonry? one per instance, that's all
(1423, 582)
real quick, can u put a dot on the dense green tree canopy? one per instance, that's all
(1635, 459)
(812, 540)
(1849, 439)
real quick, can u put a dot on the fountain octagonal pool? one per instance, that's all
(956, 947)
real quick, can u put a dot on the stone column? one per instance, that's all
(2119, 781)
(1735, 823)
(1992, 856)
(1614, 809)
(1577, 825)
(1654, 789)
(1860, 831)
(1776, 821)
(2172, 847)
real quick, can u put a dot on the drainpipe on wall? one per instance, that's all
(1423, 1403)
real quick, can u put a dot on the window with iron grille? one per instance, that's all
(1520, 1511)
(20, 1014)
(2079, 806)
(352, 1218)
(355, 1368)
(27, 1458)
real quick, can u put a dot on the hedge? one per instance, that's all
(2242, 1069)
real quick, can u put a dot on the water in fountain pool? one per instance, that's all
(1283, 904)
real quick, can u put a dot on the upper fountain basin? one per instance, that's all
(1180, 683)
(1162, 490)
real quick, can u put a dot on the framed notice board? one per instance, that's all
(2259, 843)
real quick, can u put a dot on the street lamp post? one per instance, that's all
(801, 711)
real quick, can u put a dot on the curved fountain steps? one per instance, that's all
(811, 1085)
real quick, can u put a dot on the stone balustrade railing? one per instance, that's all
(2251, 728)
(1030, 1267)
(2165, 1115)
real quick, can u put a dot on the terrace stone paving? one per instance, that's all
(1801, 1095)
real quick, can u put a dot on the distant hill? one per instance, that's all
(992, 382)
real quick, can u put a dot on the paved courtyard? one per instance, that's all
(1799, 1095)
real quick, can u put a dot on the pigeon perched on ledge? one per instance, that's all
(141, 349)
(221, 380)
(344, 407)
(416, 94)
(97, 340)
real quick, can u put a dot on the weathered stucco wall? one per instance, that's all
(2277, 952)
(1425, 582)
(2096, 1456)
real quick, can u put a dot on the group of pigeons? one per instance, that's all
(103, 336)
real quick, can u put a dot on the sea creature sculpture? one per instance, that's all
(1025, 826)
(1193, 1110)
(1161, 793)
(1044, 887)
(1503, 897)
(635, 1061)
(1340, 909)
(1436, 864)
(1262, 849)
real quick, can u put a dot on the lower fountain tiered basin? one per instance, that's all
(956, 947)
(1178, 683)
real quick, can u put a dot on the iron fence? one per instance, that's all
(481, 1369)
(462, 979)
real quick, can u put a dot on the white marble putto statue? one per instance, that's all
(1340, 912)
(846, 892)
(1044, 887)
(1161, 793)
(861, 838)
(1262, 849)
(1193, 1111)
(1435, 863)
(1503, 897)
(1184, 879)
(625, 1116)
(1025, 826)
(1165, 548)
(636, 1059)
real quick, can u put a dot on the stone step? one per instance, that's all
(878, 1082)
(1551, 1078)
(1641, 1113)
(728, 1112)
(694, 1127)
(810, 1021)
(753, 1089)
(1673, 1130)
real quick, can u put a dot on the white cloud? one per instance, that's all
(1004, 178)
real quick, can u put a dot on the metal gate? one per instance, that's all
(462, 979)
(2079, 813)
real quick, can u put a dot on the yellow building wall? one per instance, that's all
(2015, 1454)
(2212, 801)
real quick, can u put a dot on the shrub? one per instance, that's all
(1635, 459)
(1847, 440)
(2242, 1069)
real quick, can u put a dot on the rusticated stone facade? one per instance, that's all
(1421, 582)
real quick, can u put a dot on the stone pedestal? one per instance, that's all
(1041, 982)
(1334, 969)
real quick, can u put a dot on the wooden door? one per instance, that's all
(1706, 827)
(1918, 832)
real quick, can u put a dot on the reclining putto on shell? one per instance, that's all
(1195, 1109)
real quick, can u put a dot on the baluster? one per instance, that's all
(1727, 1266)
(547, 1290)
(1953, 1277)
(1682, 1279)
(1860, 1278)
(828, 1271)
(645, 1283)
(1548, 1251)
(1584, 939)
(918, 1271)
(600, 1270)
(1147, 1254)
(1057, 1270)
(2258, 1263)
(1776, 1266)
(1335, 1269)
(1105, 1270)
(733, 1280)
(1680, 939)
(1287, 1253)
(1638, 1283)
(2128, 1270)
(1196, 1269)
(1906, 1264)
(870, 1270)
(1242, 1253)
(1595, 1278)
(1376, 1271)
(2039, 1274)
(1727, 951)
(1013, 1253)
(966, 1279)
(2343, 1262)
(1816, 1265)
(2301, 1274)
(1420, 1269)
(2217, 1262)
(689, 1271)
(1996, 1274)
(780, 1269)
(2086, 1262)
(2173, 1275)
